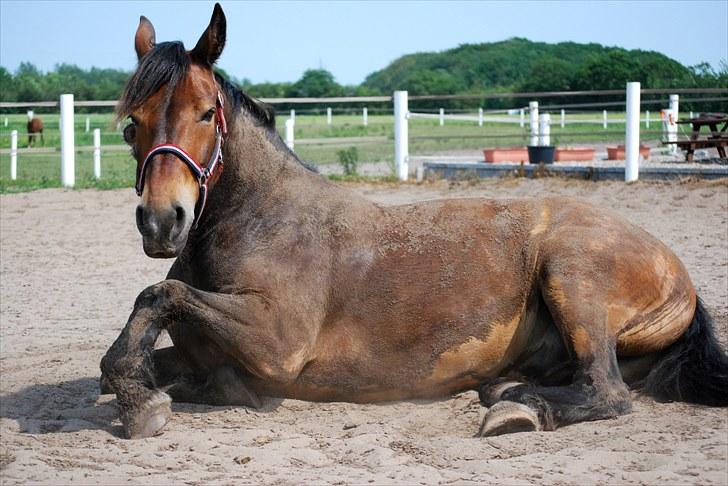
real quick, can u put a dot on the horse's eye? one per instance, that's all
(130, 133)
(208, 115)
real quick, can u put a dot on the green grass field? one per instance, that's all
(38, 170)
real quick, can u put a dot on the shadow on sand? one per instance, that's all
(75, 405)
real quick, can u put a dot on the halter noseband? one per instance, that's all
(202, 174)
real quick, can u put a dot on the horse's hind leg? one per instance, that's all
(597, 390)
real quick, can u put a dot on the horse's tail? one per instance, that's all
(694, 368)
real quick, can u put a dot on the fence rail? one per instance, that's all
(386, 99)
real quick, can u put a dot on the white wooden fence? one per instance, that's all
(539, 126)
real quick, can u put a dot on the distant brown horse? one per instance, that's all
(288, 285)
(35, 127)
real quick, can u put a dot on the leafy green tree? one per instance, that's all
(611, 70)
(550, 74)
(315, 83)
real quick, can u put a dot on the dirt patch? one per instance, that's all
(72, 264)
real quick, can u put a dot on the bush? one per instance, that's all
(349, 160)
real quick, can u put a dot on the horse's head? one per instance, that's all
(176, 130)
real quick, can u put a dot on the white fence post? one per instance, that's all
(604, 119)
(563, 118)
(365, 116)
(480, 117)
(88, 124)
(647, 119)
(442, 117)
(691, 115)
(544, 130)
(328, 116)
(68, 153)
(97, 152)
(290, 124)
(293, 115)
(632, 133)
(672, 122)
(401, 134)
(522, 114)
(533, 113)
(13, 154)
(6, 122)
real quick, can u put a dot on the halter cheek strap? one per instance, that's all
(202, 174)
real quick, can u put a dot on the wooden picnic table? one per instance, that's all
(718, 137)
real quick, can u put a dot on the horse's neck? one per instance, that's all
(263, 179)
(260, 173)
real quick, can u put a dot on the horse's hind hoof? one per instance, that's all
(490, 393)
(148, 419)
(507, 418)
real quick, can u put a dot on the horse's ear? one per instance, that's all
(145, 37)
(212, 41)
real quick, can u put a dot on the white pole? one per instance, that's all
(6, 122)
(480, 117)
(401, 135)
(442, 117)
(533, 112)
(632, 133)
(97, 153)
(68, 162)
(563, 118)
(328, 116)
(691, 115)
(604, 119)
(88, 124)
(290, 123)
(523, 117)
(293, 115)
(365, 116)
(647, 119)
(13, 154)
(672, 122)
(544, 130)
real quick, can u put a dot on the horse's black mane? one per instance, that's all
(167, 63)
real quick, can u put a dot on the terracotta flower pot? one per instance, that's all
(618, 152)
(574, 154)
(505, 154)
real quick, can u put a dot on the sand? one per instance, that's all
(72, 264)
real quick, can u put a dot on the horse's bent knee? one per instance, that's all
(161, 294)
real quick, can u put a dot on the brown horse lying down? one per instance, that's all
(288, 285)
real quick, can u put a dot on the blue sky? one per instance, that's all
(277, 41)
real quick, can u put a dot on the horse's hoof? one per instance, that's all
(148, 419)
(491, 394)
(508, 417)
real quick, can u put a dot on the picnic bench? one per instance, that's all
(718, 137)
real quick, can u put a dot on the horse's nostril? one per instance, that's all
(180, 213)
(139, 217)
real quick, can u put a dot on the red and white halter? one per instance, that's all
(203, 174)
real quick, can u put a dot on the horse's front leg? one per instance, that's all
(249, 328)
(128, 366)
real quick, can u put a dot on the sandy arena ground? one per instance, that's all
(72, 265)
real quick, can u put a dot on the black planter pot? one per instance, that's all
(541, 154)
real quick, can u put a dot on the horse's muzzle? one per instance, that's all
(164, 233)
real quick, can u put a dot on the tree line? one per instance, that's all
(514, 65)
